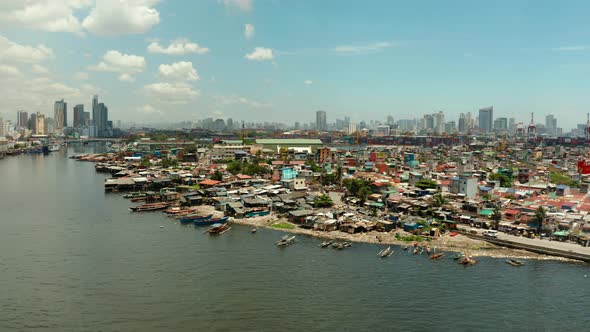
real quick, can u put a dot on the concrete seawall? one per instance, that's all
(536, 249)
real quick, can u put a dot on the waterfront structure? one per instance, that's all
(60, 115)
(486, 119)
(79, 116)
(320, 121)
(22, 119)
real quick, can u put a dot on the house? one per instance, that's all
(465, 185)
(562, 190)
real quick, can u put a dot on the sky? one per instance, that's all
(281, 60)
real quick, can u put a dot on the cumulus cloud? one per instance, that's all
(124, 64)
(178, 71)
(308, 82)
(148, 109)
(249, 30)
(260, 54)
(80, 76)
(6, 70)
(14, 53)
(118, 17)
(47, 15)
(126, 78)
(173, 93)
(245, 5)
(177, 47)
(362, 49)
(38, 69)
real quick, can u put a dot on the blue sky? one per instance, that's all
(365, 59)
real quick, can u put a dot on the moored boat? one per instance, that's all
(325, 244)
(149, 207)
(194, 218)
(436, 256)
(514, 262)
(207, 222)
(218, 229)
(285, 241)
(385, 252)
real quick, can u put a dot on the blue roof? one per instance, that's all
(484, 188)
(562, 186)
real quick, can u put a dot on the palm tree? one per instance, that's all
(496, 217)
(338, 176)
(438, 200)
(540, 217)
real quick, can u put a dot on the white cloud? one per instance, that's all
(124, 64)
(363, 49)
(148, 109)
(6, 70)
(38, 69)
(80, 76)
(572, 48)
(173, 93)
(248, 30)
(230, 100)
(126, 78)
(13, 52)
(177, 47)
(118, 17)
(260, 54)
(178, 71)
(308, 82)
(245, 5)
(47, 15)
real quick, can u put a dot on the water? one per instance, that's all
(73, 258)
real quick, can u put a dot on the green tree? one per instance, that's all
(426, 184)
(438, 200)
(364, 193)
(338, 176)
(322, 201)
(496, 217)
(539, 218)
(217, 175)
(145, 162)
(505, 180)
(168, 162)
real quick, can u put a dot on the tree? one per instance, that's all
(426, 184)
(438, 200)
(505, 180)
(217, 176)
(168, 162)
(539, 218)
(322, 201)
(496, 217)
(338, 176)
(145, 162)
(364, 193)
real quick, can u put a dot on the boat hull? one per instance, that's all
(208, 222)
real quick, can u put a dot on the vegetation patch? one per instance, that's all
(282, 225)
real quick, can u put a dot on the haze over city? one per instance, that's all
(170, 61)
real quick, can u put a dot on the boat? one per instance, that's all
(285, 241)
(254, 230)
(257, 213)
(207, 222)
(415, 250)
(140, 198)
(149, 207)
(437, 256)
(514, 262)
(218, 229)
(385, 252)
(54, 147)
(194, 218)
(454, 234)
(325, 244)
(468, 260)
(176, 211)
(458, 256)
(428, 250)
(134, 194)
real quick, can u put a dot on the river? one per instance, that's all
(73, 258)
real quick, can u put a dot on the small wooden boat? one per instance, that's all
(149, 207)
(207, 222)
(415, 250)
(134, 195)
(458, 256)
(325, 244)
(285, 241)
(139, 199)
(436, 256)
(468, 260)
(218, 229)
(176, 211)
(514, 262)
(385, 252)
(428, 250)
(254, 230)
(193, 218)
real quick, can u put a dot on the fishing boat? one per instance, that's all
(54, 147)
(194, 218)
(176, 211)
(285, 241)
(207, 222)
(436, 256)
(218, 229)
(458, 256)
(257, 214)
(134, 194)
(254, 230)
(325, 244)
(149, 207)
(514, 262)
(385, 252)
(468, 260)
(140, 198)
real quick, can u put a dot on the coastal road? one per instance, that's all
(558, 245)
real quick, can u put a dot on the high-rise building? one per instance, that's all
(439, 122)
(501, 125)
(320, 120)
(60, 114)
(229, 124)
(39, 124)
(462, 126)
(22, 119)
(512, 125)
(551, 124)
(49, 126)
(86, 119)
(95, 110)
(103, 119)
(390, 120)
(486, 119)
(79, 116)
(469, 123)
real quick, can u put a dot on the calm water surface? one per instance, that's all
(73, 258)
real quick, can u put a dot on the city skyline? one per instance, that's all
(165, 60)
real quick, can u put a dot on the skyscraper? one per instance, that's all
(486, 119)
(60, 114)
(320, 120)
(39, 124)
(102, 122)
(462, 126)
(551, 124)
(78, 116)
(22, 119)
(95, 110)
(501, 124)
(439, 122)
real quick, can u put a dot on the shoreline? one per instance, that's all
(457, 244)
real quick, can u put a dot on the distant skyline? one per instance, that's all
(280, 60)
